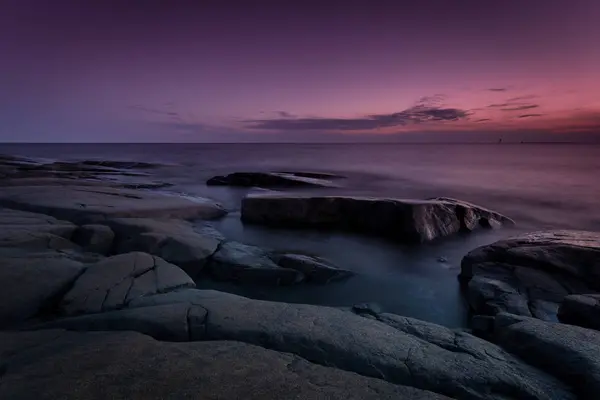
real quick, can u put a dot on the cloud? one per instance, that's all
(530, 115)
(156, 111)
(497, 89)
(418, 114)
(499, 105)
(521, 107)
(483, 120)
(285, 114)
(519, 98)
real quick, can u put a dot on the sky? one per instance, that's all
(299, 71)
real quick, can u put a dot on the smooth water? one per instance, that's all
(541, 186)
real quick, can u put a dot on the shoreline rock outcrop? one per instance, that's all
(401, 220)
(274, 179)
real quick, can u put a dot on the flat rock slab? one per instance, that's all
(401, 220)
(114, 282)
(396, 349)
(15, 222)
(569, 352)
(582, 310)
(125, 365)
(531, 274)
(272, 180)
(91, 204)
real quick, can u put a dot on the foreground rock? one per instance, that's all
(582, 310)
(402, 220)
(530, 275)
(114, 282)
(66, 365)
(396, 349)
(88, 205)
(273, 179)
(568, 352)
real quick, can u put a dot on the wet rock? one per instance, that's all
(249, 264)
(91, 204)
(94, 238)
(112, 283)
(176, 241)
(393, 348)
(55, 364)
(401, 220)
(568, 352)
(268, 180)
(315, 269)
(582, 310)
(531, 274)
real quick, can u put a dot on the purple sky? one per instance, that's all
(221, 71)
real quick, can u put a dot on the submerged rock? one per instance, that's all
(315, 269)
(271, 179)
(401, 220)
(531, 274)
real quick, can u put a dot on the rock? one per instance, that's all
(396, 349)
(176, 241)
(16, 223)
(112, 283)
(568, 352)
(268, 180)
(32, 281)
(94, 238)
(54, 364)
(531, 274)
(363, 309)
(91, 204)
(315, 269)
(315, 175)
(401, 220)
(249, 264)
(482, 325)
(582, 310)
(121, 164)
(172, 322)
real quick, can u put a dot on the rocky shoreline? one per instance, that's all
(100, 300)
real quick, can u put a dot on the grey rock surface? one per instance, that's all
(176, 241)
(94, 238)
(55, 364)
(272, 179)
(582, 310)
(112, 283)
(239, 262)
(569, 352)
(315, 269)
(92, 204)
(531, 274)
(401, 220)
(396, 349)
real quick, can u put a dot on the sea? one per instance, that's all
(540, 186)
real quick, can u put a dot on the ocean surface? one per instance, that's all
(540, 186)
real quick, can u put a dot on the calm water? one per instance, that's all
(540, 186)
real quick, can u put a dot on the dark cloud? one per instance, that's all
(483, 120)
(521, 107)
(519, 98)
(285, 114)
(423, 112)
(497, 89)
(172, 114)
(530, 115)
(499, 105)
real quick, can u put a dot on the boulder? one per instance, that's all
(315, 269)
(33, 280)
(396, 349)
(582, 310)
(15, 222)
(270, 180)
(112, 283)
(401, 220)
(94, 238)
(92, 204)
(531, 274)
(249, 264)
(176, 241)
(55, 364)
(568, 352)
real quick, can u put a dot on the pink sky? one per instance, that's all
(228, 71)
